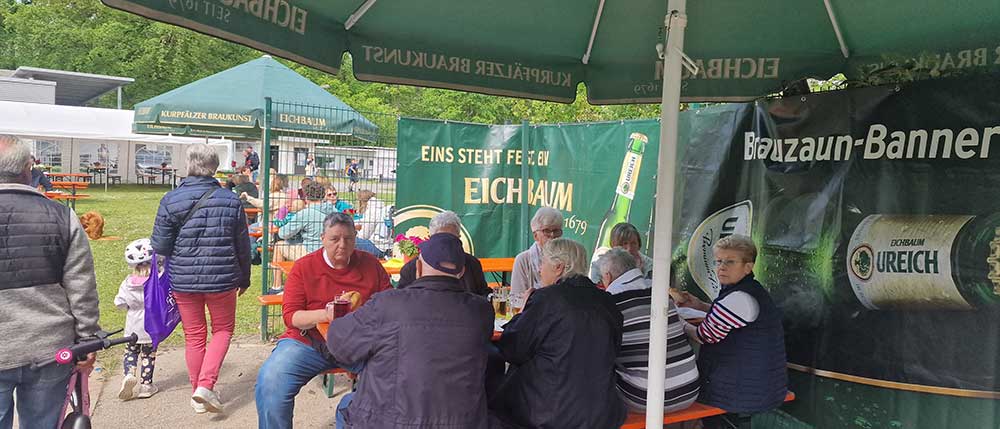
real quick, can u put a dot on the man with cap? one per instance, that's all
(473, 279)
(423, 349)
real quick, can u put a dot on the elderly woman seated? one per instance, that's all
(624, 236)
(545, 225)
(562, 350)
(633, 293)
(318, 278)
(742, 357)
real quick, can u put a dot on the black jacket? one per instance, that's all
(424, 350)
(562, 351)
(473, 280)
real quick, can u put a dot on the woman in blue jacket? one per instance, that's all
(202, 230)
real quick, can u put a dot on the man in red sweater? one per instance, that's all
(316, 279)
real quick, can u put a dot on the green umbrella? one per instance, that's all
(542, 49)
(231, 103)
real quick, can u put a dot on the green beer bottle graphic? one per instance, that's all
(939, 262)
(624, 192)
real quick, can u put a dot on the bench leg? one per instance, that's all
(329, 384)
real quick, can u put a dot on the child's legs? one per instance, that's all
(147, 363)
(192, 309)
(222, 308)
(130, 359)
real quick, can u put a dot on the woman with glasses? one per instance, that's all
(545, 225)
(742, 357)
(625, 236)
(332, 197)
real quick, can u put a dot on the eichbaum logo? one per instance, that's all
(421, 216)
(862, 262)
(732, 220)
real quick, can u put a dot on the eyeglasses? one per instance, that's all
(331, 194)
(551, 232)
(726, 262)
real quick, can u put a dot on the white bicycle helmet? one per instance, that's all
(138, 251)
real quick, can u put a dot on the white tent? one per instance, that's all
(70, 137)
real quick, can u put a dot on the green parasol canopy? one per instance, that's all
(231, 103)
(543, 48)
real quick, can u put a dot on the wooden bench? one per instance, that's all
(694, 412)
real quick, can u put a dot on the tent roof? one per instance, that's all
(73, 88)
(233, 102)
(54, 121)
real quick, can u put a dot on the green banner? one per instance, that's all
(496, 177)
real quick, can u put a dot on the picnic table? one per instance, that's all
(72, 187)
(100, 172)
(69, 177)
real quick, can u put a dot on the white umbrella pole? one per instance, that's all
(676, 20)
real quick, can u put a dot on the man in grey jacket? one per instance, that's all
(48, 295)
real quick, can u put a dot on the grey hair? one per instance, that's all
(202, 160)
(338, 218)
(569, 253)
(739, 243)
(546, 216)
(616, 262)
(624, 231)
(445, 219)
(15, 160)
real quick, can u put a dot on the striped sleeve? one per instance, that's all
(734, 311)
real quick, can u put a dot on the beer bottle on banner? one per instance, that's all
(624, 192)
(939, 262)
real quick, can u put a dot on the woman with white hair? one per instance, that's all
(202, 230)
(562, 349)
(546, 225)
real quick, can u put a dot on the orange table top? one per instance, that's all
(68, 174)
(490, 265)
(69, 185)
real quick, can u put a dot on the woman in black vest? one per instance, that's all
(742, 357)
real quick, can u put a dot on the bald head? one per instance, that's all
(15, 160)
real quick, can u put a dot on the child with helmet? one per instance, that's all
(139, 357)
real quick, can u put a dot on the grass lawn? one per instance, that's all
(129, 211)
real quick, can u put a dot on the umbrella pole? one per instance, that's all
(675, 21)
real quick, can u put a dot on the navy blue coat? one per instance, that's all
(211, 253)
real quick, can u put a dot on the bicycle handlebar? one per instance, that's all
(78, 351)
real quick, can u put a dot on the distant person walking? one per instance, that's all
(201, 228)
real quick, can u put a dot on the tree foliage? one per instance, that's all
(86, 36)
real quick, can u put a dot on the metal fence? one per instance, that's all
(356, 165)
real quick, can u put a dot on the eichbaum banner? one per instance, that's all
(496, 177)
(875, 212)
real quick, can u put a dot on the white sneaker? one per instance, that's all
(144, 391)
(128, 385)
(208, 398)
(198, 408)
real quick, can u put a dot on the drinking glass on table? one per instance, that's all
(500, 298)
(338, 308)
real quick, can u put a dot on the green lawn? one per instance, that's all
(128, 212)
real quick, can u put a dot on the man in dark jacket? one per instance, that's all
(252, 162)
(202, 230)
(38, 178)
(473, 280)
(48, 292)
(423, 349)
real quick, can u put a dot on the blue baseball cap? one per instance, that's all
(443, 248)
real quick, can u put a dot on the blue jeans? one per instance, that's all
(40, 395)
(344, 403)
(291, 365)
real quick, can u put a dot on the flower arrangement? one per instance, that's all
(408, 245)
